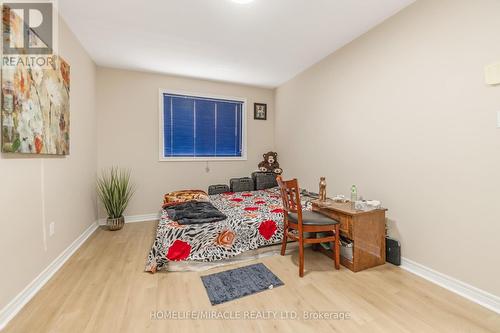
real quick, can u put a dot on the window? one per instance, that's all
(194, 127)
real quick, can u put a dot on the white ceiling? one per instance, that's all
(264, 43)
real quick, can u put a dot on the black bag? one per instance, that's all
(217, 189)
(241, 184)
(392, 251)
(263, 180)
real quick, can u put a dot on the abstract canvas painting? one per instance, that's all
(35, 108)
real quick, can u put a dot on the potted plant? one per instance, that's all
(115, 190)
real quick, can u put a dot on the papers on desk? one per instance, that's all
(367, 205)
(340, 198)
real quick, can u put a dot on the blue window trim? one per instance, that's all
(241, 111)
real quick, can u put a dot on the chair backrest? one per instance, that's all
(290, 196)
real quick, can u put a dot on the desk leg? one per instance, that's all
(337, 247)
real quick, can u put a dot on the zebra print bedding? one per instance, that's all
(254, 219)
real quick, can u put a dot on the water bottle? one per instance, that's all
(354, 194)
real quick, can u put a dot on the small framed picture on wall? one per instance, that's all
(260, 111)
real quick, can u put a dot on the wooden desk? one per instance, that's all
(365, 229)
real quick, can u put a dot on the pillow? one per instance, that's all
(177, 197)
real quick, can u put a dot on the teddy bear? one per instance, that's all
(270, 163)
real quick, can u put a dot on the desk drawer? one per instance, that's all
(345, 221)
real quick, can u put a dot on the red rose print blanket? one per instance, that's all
(254, 219)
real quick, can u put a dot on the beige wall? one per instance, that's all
(60, 190)
(404, 113)
(128, 134)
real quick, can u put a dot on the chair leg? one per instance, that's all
(285, 239)
(301, 255)
(337, 247)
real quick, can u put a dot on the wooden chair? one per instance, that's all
(298, 222)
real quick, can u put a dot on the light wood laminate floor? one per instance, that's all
(103, 288)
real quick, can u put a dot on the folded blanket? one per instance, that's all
(194, 212)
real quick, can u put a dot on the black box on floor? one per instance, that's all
(392, 251)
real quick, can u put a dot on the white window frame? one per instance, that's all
(243, 156)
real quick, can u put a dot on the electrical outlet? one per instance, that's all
(52, 228)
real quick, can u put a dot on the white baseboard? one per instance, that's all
(136, 218)
(463, 289)
(11, 309)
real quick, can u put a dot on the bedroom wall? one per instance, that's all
(404, 113)
(128, 134)
(37, 190)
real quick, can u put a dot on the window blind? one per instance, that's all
(201, 127)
